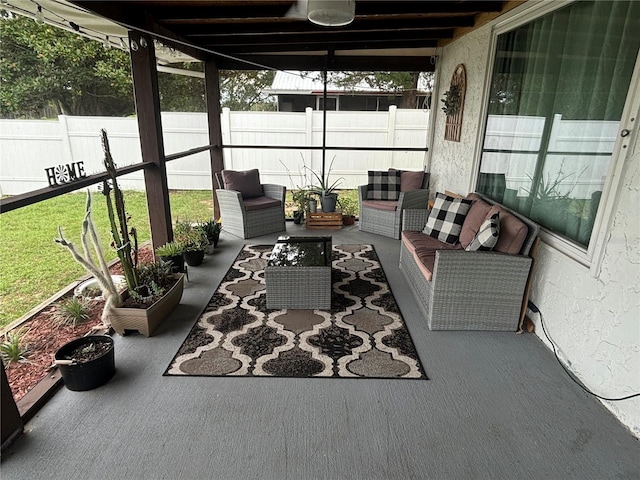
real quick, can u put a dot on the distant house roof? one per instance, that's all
(310, 83)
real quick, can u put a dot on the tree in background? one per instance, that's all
(46, 69)
(404, 83)
(240, 90)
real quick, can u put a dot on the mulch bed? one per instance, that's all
(45, 337)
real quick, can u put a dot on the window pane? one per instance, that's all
(558, 90)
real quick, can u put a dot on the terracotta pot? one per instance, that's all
(348, 219)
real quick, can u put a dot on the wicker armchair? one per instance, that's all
(385, 217)
(252, 217)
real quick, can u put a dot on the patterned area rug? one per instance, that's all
(362, 336)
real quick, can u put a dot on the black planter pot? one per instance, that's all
(80, 377)
(215, 238)
(298, 217)
(177, 261)
(194, 258)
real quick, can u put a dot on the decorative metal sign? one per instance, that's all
(65, 173)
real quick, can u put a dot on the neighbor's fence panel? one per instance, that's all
(27, 147)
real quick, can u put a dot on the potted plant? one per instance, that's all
(211, 230)
(147, 302)
(194, 241)
(87, 362)
(326, 190)
(172, 253)
(349, 207)
(300, 198)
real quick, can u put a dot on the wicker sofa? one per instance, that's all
(384, 217)
(249, 208)
(469, 290)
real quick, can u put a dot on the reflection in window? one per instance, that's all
(558, 90)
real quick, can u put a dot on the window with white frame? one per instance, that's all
(558, 90)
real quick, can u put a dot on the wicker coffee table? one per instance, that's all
(298, 273)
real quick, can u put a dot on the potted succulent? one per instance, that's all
(211, 229)
(194, 241)
(326, 190)
(172, 253)
(145, 302)
(349, 207)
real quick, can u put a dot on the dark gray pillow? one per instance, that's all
(246, 182)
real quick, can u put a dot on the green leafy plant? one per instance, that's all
(451, 100)
(157, 273)
(210, 227)
(191, 237)
(170, 249)
(72, 311)
(13, 347)
(324, 186)
(348, 205)
(300, 198)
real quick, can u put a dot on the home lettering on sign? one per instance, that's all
(65, 173)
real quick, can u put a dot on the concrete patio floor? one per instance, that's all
(496, 405)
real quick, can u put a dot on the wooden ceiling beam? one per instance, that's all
(206, 27)
(191, 11)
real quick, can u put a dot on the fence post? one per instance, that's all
(308, 137)
(66, 140)
(391, 130)
(226, 138)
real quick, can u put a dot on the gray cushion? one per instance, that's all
(383, 185)
(487, 236)
(446, 218)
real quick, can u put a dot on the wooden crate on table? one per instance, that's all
(324, 221)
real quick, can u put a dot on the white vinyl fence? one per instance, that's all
(28, 147)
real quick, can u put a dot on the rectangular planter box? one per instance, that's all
(147, 320)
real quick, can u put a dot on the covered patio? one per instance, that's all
(496, 405)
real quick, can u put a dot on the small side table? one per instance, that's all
(298, 273)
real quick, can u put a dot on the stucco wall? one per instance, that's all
(594, 321)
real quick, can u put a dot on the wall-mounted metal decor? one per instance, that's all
(454, 103)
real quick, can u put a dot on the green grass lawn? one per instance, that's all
(33, 267)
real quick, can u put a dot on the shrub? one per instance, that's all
(13, 347)
(72, 311)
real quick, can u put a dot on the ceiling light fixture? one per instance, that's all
(331, 13)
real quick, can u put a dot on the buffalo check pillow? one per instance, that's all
(383, 185)
(446, 218)
(487, 236)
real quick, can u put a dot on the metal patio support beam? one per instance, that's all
(212, 90)
(145, 88)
